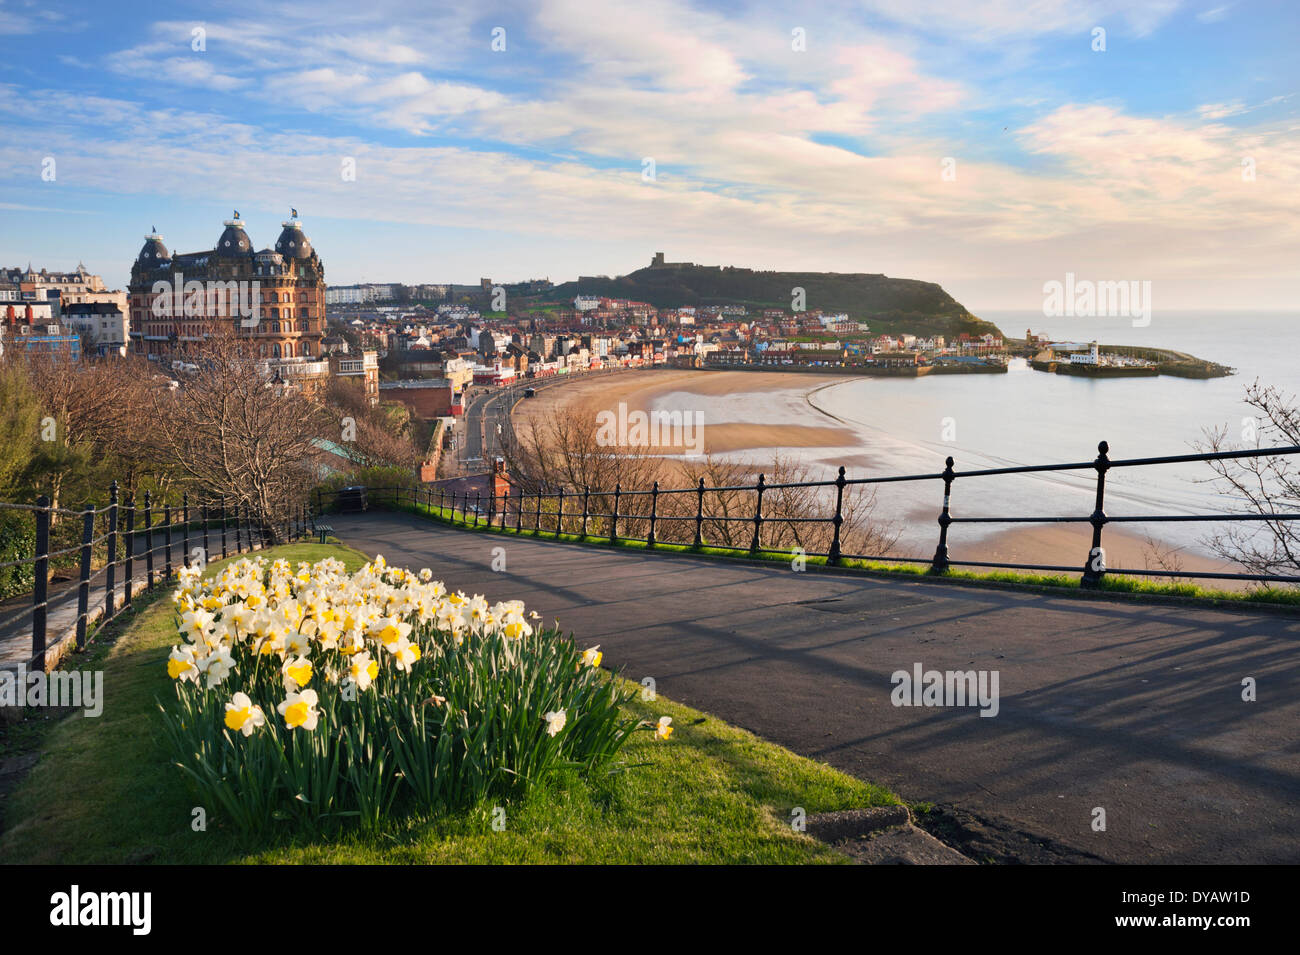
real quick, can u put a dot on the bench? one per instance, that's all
(324, 529)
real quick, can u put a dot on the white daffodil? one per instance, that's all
(217, 665)
(555, 721)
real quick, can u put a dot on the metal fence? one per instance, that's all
(691, 516)
(124, 548)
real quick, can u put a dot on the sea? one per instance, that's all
(1025, 417)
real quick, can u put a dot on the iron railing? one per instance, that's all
(146, 542)
(653, 516)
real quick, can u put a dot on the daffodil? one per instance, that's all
(297, 672)
(217, 665)
(242, 715)
(664, 728)
(180, 665)
(404, 653)
(299, 710)
(592, 657)
(555, 721)
(362, 670)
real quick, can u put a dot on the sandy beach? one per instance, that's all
(799, 425)
(643, 390)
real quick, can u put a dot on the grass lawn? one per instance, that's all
(1264, 595)
(104, 790)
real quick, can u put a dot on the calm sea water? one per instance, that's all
(1030, 417)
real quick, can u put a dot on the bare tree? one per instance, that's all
(373, 436)
(1261, 485)
(233, 431)
(563, 450)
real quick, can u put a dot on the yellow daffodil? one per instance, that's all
(242, 715)
(664, 728)
(299, 710)
(297, 672)
(180, 665)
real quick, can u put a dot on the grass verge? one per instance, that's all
(104, 790)
(1111, 584)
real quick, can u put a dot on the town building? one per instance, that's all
(276, 297)
(102, 325)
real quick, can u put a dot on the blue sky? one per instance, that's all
(1116, 164)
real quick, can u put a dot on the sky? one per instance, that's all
(989, 147)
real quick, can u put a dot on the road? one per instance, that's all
(1104, 704)
(491, 408)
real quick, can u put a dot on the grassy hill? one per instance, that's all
(888, 304)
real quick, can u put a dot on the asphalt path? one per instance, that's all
(1133, 709)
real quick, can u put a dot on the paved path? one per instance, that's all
(1134, 709)
(62, 613)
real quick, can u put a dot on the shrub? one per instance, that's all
(17, 543)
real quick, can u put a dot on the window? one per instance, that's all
(275, 350)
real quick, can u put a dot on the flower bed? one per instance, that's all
(310, 697)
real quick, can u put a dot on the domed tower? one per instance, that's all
(234, 240)
(293, 242)
(153, 253)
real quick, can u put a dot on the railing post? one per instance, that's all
(223, 526)
(654, 514)
(537, 524)
(83, 580)
(41, 580)
(478, 506)
(699, 515)
(492, 503)
(442, 503)
(613, 524)
(833, 558)
(129, 575)
(940, 562)
(1095, 567)
(110, 602)
(167, 516)
(519, 513)
(185, 529)
(207, 551)
(586, 512)
(758, 514)
(148, 539)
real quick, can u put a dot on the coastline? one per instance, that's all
(784, 392)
